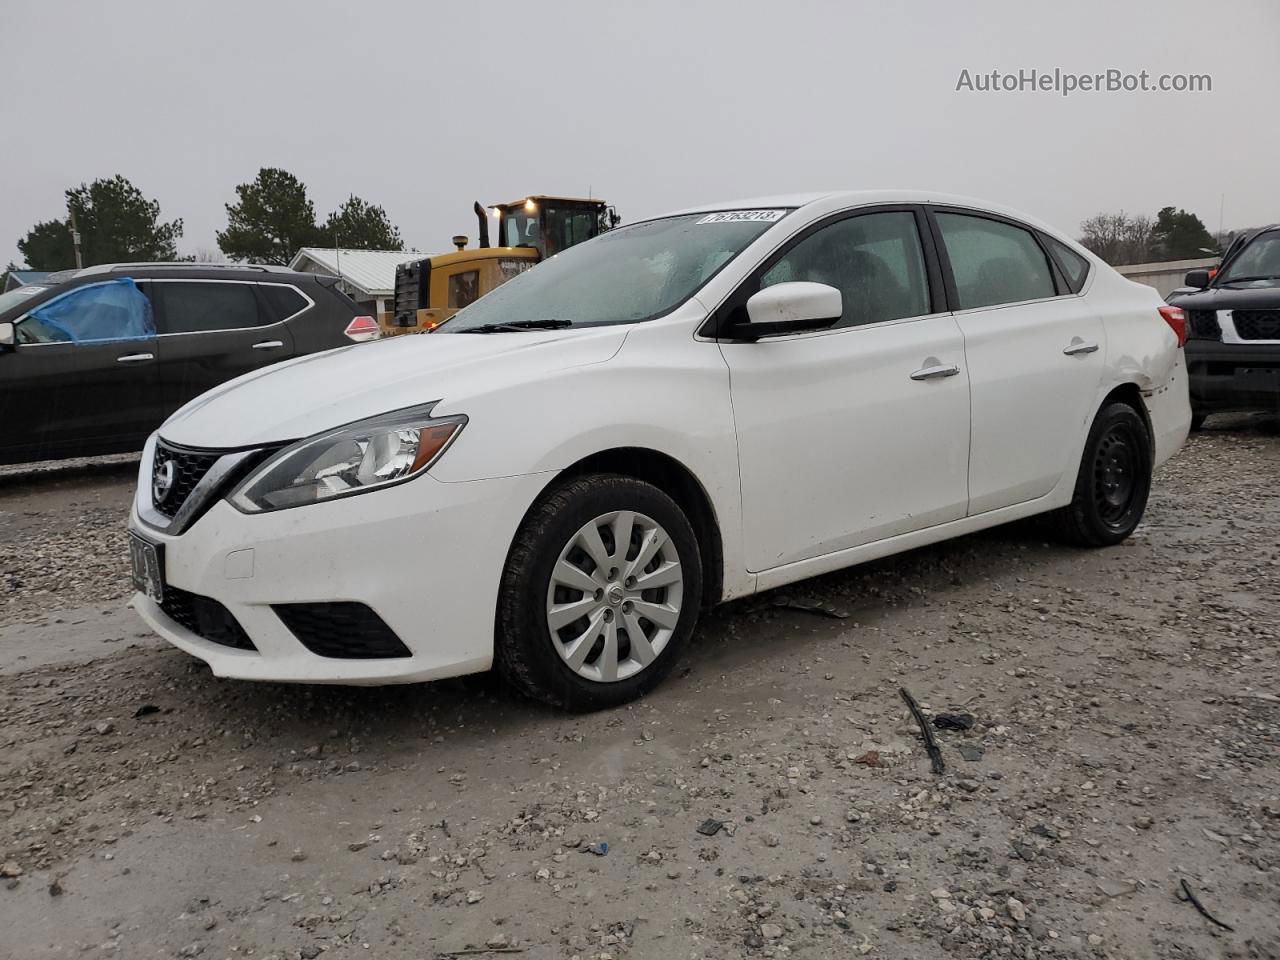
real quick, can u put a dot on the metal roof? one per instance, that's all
(372, 272)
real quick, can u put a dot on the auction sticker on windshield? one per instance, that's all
(744, 216)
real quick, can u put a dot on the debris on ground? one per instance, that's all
(953, 721)
(815, 607)
(930, 744)
(1188, 894)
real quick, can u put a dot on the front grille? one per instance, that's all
(348, 631)
(1257, 324)
(205, 618)
(189, 468)
(1203, 324)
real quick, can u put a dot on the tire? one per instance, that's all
(1113, 482)
(1197, 421)
(554, 538)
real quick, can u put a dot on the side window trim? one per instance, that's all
(715, 325)
(159, 306)
(1060, 287)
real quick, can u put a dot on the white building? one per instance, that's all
(368, 276)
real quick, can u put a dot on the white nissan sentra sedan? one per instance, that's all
(684, 410)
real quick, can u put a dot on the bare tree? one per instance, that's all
(1104, 235)
(1139, 244)
(1119, 238)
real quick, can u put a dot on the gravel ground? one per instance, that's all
(772, 799)
(63, 535)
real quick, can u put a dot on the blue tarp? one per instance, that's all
(112, 310)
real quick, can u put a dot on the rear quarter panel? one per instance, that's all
(322, 326)
(1142, 350)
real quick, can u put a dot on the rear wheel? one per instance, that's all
(601, 590)
(1114, 480)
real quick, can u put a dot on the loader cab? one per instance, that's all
(550, 224)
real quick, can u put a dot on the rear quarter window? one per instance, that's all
(283, 301)
(1074, 267)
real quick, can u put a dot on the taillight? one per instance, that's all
(361, 329)
(1177, 321)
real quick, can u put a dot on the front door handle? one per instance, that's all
(135, 357)
(1078, 347)
(268, 345)
(935, 371)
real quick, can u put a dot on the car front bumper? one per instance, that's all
(1233, 376)
(425, 556)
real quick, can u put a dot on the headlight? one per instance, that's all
(359, 457)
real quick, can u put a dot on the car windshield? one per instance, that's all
(1259, 261)
(628, 275)
(14, 297)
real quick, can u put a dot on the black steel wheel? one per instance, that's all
(1113, 482)
(1116, 464)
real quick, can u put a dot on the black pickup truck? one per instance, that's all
(1233, 329)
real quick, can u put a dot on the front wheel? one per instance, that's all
(1114, 480)
(601, 590)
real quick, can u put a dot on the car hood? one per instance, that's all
(1231, 298)
(321, 391)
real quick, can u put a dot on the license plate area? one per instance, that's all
(147, 562)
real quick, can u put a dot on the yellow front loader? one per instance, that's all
(431, 290)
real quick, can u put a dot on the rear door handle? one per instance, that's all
(936, 371)
(268, 345)
(1078, 347)
(135, 357)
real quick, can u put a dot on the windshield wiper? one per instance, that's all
(516, 326)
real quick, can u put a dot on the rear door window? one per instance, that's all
(993, 262)
(188, 306)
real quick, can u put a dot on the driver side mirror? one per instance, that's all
(8, 337)
(1197, 278)
(793, 307)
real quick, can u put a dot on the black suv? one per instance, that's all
(93, 360)
(1233, 329)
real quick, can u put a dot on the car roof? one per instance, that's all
(842, 198)
(185, 269)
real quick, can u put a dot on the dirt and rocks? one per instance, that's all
(772, 799)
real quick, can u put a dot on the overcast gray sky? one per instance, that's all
(425, 107)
